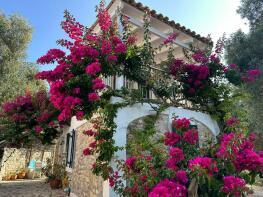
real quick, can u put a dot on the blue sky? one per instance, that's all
(203, 16)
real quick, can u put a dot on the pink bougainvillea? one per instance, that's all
(32, 115)
(248, 160)
(171, 138)
(191, 136)
(176, 155)
(93, 97)
(167, 188)
(51, 56)
(103, 17)
(204, 163)
(77, 89)
(232, 121)
(93, 68)
(181, 176)
(181, 162)
(130, 162)
(181, 123)
(234, 185)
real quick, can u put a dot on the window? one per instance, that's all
(70, 148)
(145, 92)
(110, 81)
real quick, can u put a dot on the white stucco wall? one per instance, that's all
(130, 113)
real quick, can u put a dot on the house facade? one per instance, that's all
(82, 182)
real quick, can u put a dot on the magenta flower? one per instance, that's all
(98, 84)
(104, 18)
(232, 121)
(112, 58)
(170, 38)
(181, 123)
(166, 188)
(204, 163)
(64, 115)
(248, 160)
(254, 72)
(93, 97)
(191, 136)
(43, 117)
(120, 48)
(181, 176)
(86, 151)
(51, 56)
(80, 115)
(130, 162)
(176, 155)
(200, 57)
(51, 123)
(131, 40)
(106, 47)
(76, 90)
(93, 68)
(234, 185)
(171, 138)
(38, 129)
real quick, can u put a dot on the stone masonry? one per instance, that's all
(16, 159)
(82, 182)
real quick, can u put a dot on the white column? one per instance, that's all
(119, 82)
(119, 79)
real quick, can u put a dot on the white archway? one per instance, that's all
(130, 113)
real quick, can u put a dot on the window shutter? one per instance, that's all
(72, 151)
(70, 147)
(67, 148)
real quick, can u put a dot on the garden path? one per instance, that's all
(28, 188)
(38, 188)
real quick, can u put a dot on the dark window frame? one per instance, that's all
(70, 150)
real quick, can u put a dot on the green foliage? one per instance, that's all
(55, 171)
(28, 119)
(18, 82)
(251, 10)
(142, 139)
(15, 34)
(16, 76)
(245, 50)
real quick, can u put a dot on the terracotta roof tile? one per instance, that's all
(164, 19)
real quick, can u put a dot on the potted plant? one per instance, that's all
(54, 173)
(7, 177)
(13, 176)
(22, 173)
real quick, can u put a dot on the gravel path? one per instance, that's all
(28, 188)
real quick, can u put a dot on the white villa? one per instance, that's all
(69, 149)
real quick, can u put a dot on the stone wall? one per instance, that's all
(82, 182)
(14, 159)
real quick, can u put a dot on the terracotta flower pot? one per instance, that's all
(21, 175)
(7, 178)
(55, 183)
(13, 177)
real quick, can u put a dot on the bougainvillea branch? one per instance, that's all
(29, 117)
(77, 88)
(224, 167)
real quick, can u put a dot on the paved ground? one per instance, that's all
(28, 188)
(258, 191)
(38, 188)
